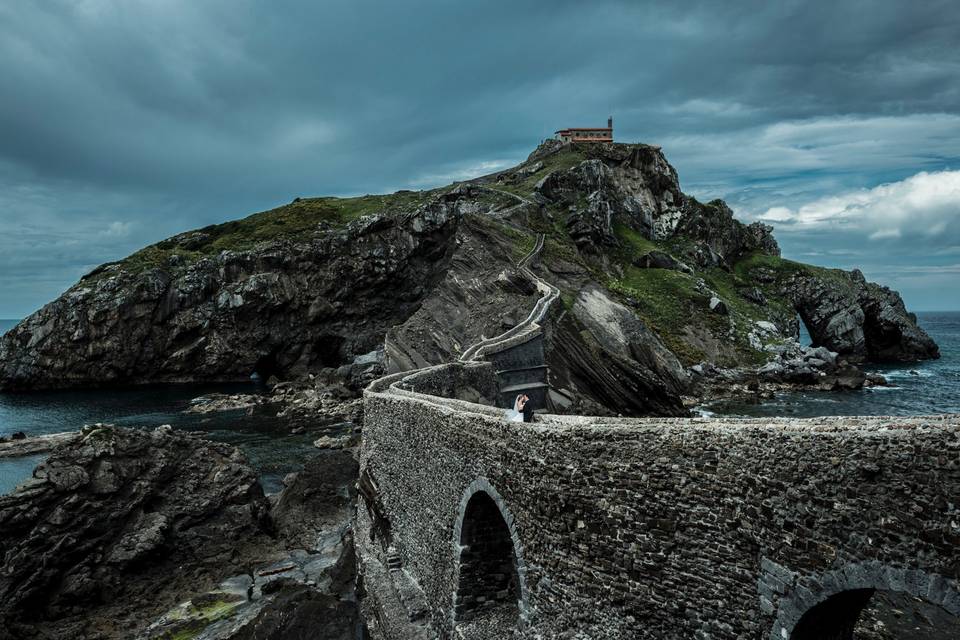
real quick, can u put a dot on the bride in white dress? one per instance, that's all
(516, 414)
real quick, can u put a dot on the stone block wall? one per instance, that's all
(672, 528)
(522, 365)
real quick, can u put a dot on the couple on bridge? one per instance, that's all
(522, 409)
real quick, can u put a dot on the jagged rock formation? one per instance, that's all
(106, 521)
(479, 296)
(719, 239)
(119, 524)
(859, 319)
(630, 183)
(602, 353)
(614, 362)
(282, 308)
(324, 285)
(316, 498)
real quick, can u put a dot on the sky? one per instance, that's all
(123, 122)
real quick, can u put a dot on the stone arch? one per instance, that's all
(838, 597)
(489, 568)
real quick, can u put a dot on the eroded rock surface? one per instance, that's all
(630, 183)
(280, 308)
(859, 319)
(115, 523)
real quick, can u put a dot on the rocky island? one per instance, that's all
(663, 293)
(663, 301)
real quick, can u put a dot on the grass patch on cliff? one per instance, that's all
(302, 216)
(297, 219)
(666, 301)
(677, 308)
(635, 243)
(781, 269)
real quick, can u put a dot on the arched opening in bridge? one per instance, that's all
(488, 582)
(870, 614)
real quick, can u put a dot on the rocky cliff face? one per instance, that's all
(718, 239)
(319, 283)
(282, 307)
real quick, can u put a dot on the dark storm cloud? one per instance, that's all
(125, 122)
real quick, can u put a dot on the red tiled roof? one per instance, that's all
(584, 129)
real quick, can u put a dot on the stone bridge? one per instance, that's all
(586, 527)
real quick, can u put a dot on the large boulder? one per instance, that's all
(109, 521)
(891, 333)
(660, 260)
(317, 498)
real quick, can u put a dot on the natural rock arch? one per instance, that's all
(488, 557)
(832, 602)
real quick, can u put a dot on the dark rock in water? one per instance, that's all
(817, 367)
(849, 378)
(18, 447)
(857, 319)
(660, 260)
(890, 333)
(19, 435)
(106, 526)
(280, 308)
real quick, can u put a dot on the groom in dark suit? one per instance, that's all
(527, 409)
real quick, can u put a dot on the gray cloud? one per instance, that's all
(125, 122)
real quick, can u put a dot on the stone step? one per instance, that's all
(526, 386)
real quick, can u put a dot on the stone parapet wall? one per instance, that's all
(672, 528)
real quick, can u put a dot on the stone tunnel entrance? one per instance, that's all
(870, 614)
(834, 619)
(488, 586)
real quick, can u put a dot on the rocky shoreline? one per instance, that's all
(795, 368)
(118, 525)
(21, 444)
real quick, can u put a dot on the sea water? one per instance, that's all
(266, 440)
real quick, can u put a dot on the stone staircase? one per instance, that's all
(518, 354)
